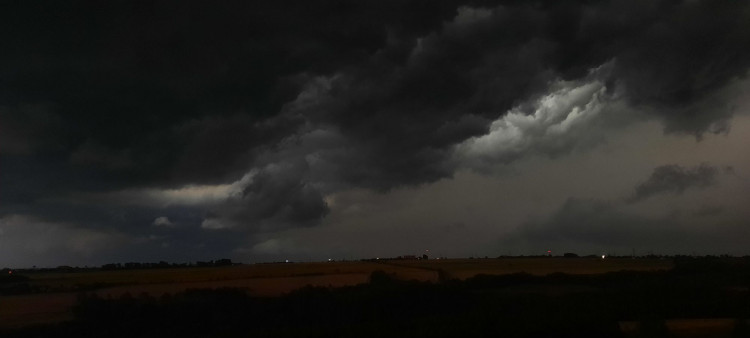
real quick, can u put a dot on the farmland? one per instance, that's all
(467, 268)
(511, 297)
(54, 293)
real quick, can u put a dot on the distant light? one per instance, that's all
(604, 256)
(377, 258)
(286, 261)
(330, 259)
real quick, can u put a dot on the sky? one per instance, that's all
(313, 130)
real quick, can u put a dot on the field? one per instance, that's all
(467, 268)
(56, 292)
(702, 327)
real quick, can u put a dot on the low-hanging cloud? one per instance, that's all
(588, 226)
(278, 196)
(33, 241)
(639, 222)
(676, 179)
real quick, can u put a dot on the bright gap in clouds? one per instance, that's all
(555, 123)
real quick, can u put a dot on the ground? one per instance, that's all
(57, 291)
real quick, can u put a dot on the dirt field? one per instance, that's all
(273, 279)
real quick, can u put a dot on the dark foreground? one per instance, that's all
(517, 305)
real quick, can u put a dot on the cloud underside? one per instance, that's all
(243, 125)
(676, 179)
(595, 227)
(708, 219)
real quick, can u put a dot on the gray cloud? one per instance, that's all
(675, 179)
(592, 226)
(593, 223)
(275, 197)
(163, 221)
(685, 224)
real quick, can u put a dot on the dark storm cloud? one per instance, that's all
(488, 60)
(307, 98)
(124, 73)
(275, 197)
(675, 179)
(682, 54)
(215, 149)
(28, 128)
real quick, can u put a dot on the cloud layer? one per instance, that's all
(248, 118)
(676, 179)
